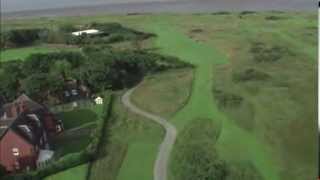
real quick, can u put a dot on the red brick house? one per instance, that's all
(26, 128)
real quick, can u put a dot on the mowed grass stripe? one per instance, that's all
(76, 173)
(139, 162)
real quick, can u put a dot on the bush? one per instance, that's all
(250, 74)
(196, 158)
(247, 12)
(21, 37)
(227, 99)
(244, 171)
(67, 28)
(221, 13)
(274, 18)
(262, 53)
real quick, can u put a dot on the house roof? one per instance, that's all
(28, 103)
(12, 117)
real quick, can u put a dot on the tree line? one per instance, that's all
(110, 33)
(44, 76)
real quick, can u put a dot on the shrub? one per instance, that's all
(247, 12)
(196, 158)
(262, 53)
(250, 74)
(244, 171)
(274, 18)
(221, 13)
(227, 99)
(21, 37)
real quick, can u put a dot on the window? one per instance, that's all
(15, 151)
(58, 128)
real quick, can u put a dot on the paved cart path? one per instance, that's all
(162, 161)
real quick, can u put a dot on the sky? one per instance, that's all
(18, 5)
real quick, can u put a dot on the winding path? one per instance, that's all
(161, 164)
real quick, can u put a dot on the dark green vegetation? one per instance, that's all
(44, 76)
(195, 156)
(110, 33)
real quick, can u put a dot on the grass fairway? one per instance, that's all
(76, 173)
(139, 152)
(22, 53)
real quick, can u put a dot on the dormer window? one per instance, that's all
(15, 151)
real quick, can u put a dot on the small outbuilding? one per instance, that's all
(88, 31)
(98, 100)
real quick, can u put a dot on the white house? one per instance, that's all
(98, 100)
(88, 31)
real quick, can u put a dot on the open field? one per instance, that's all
(76, 173)
(255, 77)
(22, 53)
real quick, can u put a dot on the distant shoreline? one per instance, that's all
(155, 7)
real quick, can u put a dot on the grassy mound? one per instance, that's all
(164, 93)
(195, 156)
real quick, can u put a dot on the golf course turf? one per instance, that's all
(233, 143)
(273, 130)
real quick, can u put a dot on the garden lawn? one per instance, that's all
(76, 173)
(78, 117)
(79, 124)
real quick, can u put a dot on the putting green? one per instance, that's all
(234, 143)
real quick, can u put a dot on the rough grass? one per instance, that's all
(76, 173)
(164, 93)
(22, 53)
